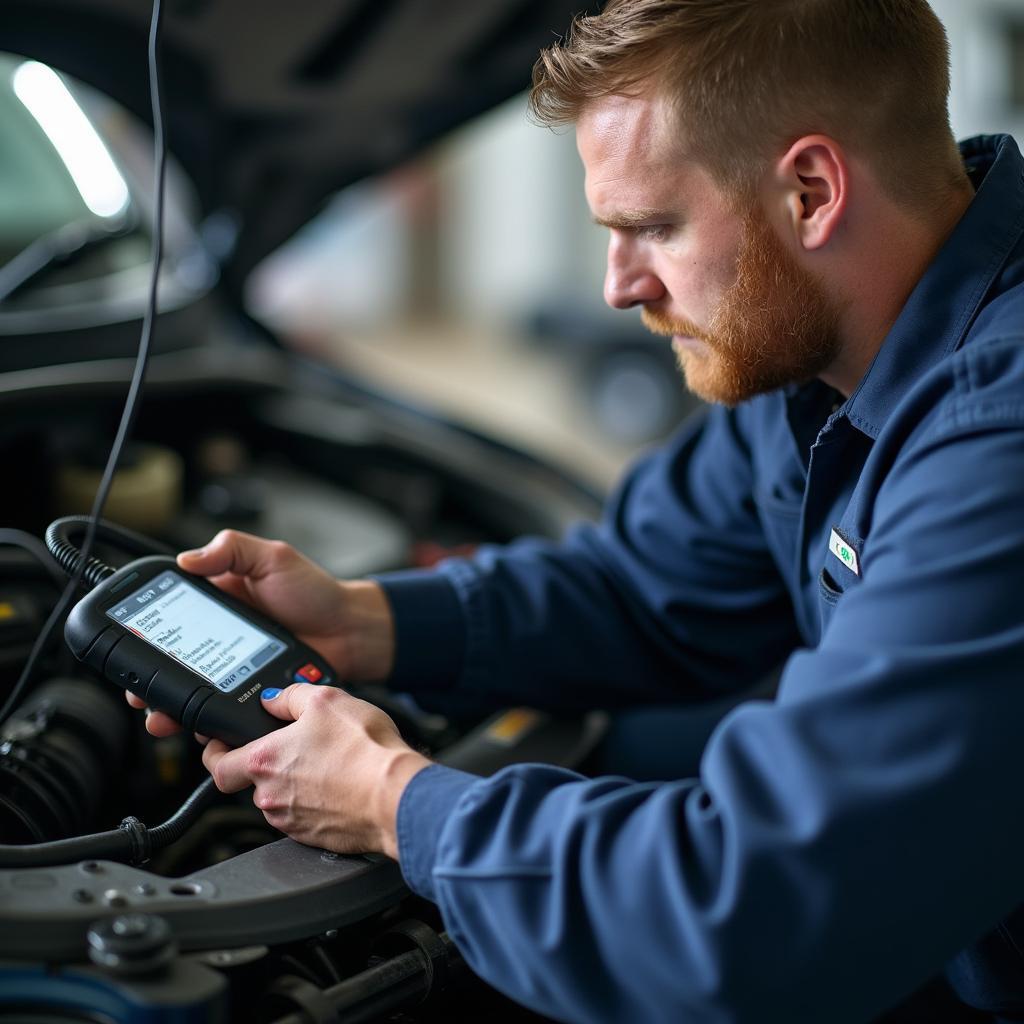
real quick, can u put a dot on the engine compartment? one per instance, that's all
(231, 921)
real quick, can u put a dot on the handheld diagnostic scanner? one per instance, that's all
(188, 649)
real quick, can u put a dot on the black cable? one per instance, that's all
(138, 375)
(132, 843)
(400, 981)
(34, 546)
(180, 822)
(69, 557)
(90, 570)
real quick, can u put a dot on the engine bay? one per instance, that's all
(230, 921)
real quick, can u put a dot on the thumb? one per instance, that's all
(235, 552)
(289, 703)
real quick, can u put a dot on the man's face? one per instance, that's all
(743, 315)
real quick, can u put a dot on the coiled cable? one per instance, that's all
(93, 571)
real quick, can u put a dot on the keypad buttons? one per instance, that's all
(309, 673)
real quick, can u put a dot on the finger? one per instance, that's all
(288, 704)
(227, 766)
(234, 585)
(237, 586)
(235, 552)
(159, 724)
(213, 751)
(277, 702)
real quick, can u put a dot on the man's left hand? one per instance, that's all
(333, 779)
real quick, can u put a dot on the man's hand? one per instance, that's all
(349, 623)
(333, 779)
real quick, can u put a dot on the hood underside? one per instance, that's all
(271, 107)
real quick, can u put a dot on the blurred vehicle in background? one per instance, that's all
(628, 377)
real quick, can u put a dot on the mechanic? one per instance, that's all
(785, 202)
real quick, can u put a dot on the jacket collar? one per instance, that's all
(945, 302)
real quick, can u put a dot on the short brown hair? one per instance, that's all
(747, 77)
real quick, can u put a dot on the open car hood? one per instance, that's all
(271, 107)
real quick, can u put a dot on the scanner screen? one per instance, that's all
(182, 621)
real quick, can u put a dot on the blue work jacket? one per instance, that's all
(841, 842)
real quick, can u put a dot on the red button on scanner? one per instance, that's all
(310, 673)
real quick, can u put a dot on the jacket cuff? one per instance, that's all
(423, 811)
(430, 630)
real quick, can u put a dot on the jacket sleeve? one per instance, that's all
(840, 843)
(639, 608)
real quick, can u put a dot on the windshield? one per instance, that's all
(66, 212)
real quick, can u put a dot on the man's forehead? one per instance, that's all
(633, 168)
(616, 125)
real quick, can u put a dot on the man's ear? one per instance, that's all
(813, 178)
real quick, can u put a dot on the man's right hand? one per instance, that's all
(349, 623)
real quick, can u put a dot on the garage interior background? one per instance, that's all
(471, 279)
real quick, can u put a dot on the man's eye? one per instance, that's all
(653, 232)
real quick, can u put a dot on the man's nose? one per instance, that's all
(628, 281)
